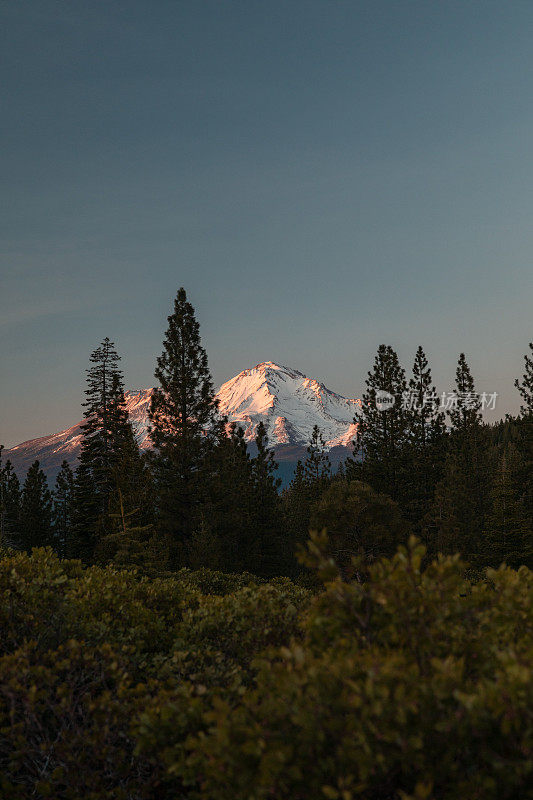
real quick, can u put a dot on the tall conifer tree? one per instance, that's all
(225, 537)
(35, 511)
(310, 480)
(427, 441)
(382, 435)
(10, 505)
(105, 431)
(183, 415)
(462, 497)
(273, 549)
(525, 434)
(465, 414)
(525, 386)
(63, 508)
(317, 466)
(131, 481)
(509, 532)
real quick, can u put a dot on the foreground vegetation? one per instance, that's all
(427, 465)
(153, 651)
(412, 682)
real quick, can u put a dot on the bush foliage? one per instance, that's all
(414, 682)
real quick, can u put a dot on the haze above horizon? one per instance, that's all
(321, 177)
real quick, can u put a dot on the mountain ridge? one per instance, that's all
(284, 399)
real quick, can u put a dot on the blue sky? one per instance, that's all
(320, 176)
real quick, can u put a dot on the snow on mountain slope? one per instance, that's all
(52, 450)
(288, 403)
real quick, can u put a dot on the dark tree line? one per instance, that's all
(462, 487)
(200, 499)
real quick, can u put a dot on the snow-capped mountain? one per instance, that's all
(288, 403)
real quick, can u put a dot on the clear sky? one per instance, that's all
(320, 176)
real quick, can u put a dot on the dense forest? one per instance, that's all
(176, 626)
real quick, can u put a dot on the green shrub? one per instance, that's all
(65, 717)
(122, 608)
(360, 523)
(209, 581)
(33, 602)
(411, 681)
(414, 684)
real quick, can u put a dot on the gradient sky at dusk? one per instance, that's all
(320, 176)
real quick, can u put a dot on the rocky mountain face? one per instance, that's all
(288, 403)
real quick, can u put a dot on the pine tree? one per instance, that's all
(382, 435)
(524, 427)
(427, 442)
(130, 544)
(462, 497)
(131, 479)
(310, 480)
(317, 466)
(183, 414)
(224, 539)
(296, 502)
(10, 505)
(465, 415)
(85, 513)
(525, 386)
(106, 432)
(35, 511)
(274, 557)
(509, 532)
(99, 444)
(63, 508)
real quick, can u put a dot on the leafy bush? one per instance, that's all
(33, 602)
(65, 716)
(209, 581)
(412, 683)
(360, 522)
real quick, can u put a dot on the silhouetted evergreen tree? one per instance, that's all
(35, 511)
(102, 416)
(524, 439)
(310, 480)
(382, 435)
(183, 412)
(465, 413)
(509, 533)
(525, 386)
(63, 508)
(225, 538)
(317, 466)
(274, 555)
(132, 485)
(9, 505)
(427, 442)
(296, 502)
(85, 513)
(106, 434)
(462, 497)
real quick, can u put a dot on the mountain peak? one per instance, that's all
(284, 399)
(289, 404)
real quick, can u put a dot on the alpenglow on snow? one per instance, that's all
(288, 403)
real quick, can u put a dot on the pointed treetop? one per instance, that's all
(465, 414)
(525, 386)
